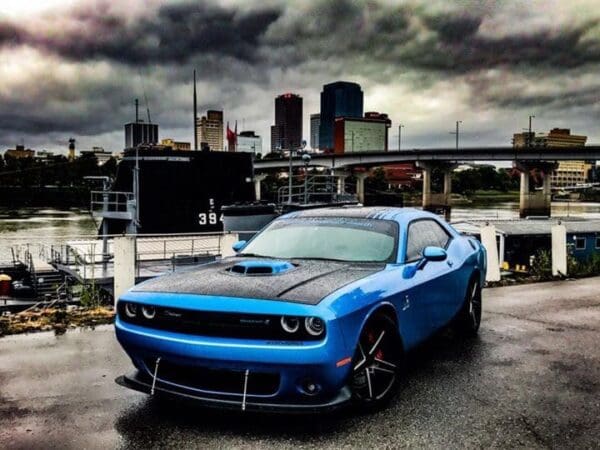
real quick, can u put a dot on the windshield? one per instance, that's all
(333, 238)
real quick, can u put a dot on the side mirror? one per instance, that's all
(431, 254)
(434, 254)
(238, 246)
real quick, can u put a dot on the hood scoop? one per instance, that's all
(261, 267)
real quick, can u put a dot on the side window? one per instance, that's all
(424, 233)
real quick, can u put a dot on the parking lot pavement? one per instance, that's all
(531, 379)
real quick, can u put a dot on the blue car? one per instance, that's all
(315, 312)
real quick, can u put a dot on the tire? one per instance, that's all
(377, 362)
(469, 318)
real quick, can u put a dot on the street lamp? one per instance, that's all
(400, 136)
(529, 135)
(458, 122)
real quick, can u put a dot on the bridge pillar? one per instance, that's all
(360, 185)
(538, 202)
(437, 202)
(341, 175)
(258, 178)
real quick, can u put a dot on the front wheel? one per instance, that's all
(469, 317)
(376, 364)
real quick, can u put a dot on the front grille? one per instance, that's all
(216, 380)
(217, 324)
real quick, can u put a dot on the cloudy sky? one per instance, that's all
(71, 68)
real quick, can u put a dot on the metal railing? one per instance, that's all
(110, 201)
(316, 189)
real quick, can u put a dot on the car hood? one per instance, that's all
(307, 281)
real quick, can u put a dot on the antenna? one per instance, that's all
(137, 104)
(195, 114)
(145, 97)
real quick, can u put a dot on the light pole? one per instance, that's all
(529, 135)
(400, 136)
(458, 122)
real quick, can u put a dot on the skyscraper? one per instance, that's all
(315, 122)
(209, 130)
(137, 133)
(286, 134)
(339, 99)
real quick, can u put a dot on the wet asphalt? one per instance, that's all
(531, 379)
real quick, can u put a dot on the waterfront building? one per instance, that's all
(361, 134)
(248, 141)
(286, 133)
(139, 132)
(19, 152)
(315, 123)
(176, 145)
(44, 156)
(339, 99)
(102, 156)
(209, 130)
(568, 173)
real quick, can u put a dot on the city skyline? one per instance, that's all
(72, 68)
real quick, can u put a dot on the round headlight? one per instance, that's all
(290, 324)
(148, 312)
(314, 326)
(130, 310)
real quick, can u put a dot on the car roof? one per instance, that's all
(364, 212)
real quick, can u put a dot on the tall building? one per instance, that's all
(568, 173)
(19, 152)
(176, 145)
(287, 132)
(137, 133)
(361, 134)
(339, 99)
(209, 130)
(102, 156)
(248, 141)
(315, 123)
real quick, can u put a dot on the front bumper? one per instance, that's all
(292, 363)
(140, 383)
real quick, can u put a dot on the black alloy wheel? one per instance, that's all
(469, 317)
(377, 362)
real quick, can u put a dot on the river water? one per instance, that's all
(50, 226)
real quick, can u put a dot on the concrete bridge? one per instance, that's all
(544, 159)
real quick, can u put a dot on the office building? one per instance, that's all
(137, 133)
(209, 130)
(102, 156)
(361, 134)
(248, 141)
(315, 123)
(339, 99)
(568, 173)
(19, 152)
(286, 133)
(176, 145)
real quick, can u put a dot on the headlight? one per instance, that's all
(314, 326)
(290, 324)
(148, 312)
(130, 310)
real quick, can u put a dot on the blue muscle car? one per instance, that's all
(314, 312)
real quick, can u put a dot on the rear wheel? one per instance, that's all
(377, 361)
(469, 317)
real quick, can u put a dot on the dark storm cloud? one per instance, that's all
(243, 53)
(10, 34)
(174, 34)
